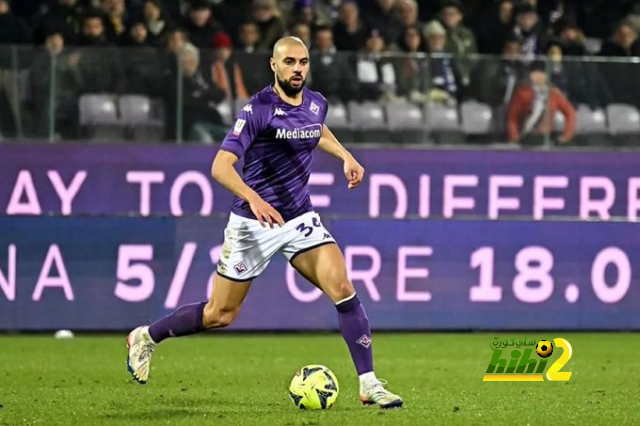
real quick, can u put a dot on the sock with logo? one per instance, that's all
(183, 321)
(354, 326)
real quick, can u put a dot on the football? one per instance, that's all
(544, 348)
(314, 387)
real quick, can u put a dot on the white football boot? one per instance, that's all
(141, 347)
(377, 393)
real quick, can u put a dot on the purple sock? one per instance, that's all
(354, 326)
(183, 321)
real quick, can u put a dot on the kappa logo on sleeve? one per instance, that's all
(237, 129)
(248, 108)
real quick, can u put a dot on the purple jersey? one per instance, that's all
(277, 141)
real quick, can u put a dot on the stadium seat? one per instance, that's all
(141, 116)
(238, 104)
(591, 126)
(368, 119)
(225, 110)
(593, 45)
(444, 124)
(99, 117)
(476, 118)
(624, 123)
(406, 122)
(337, 121)
(478, 122)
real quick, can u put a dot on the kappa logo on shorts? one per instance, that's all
(240, 268)
(364, 341)
(326, 236)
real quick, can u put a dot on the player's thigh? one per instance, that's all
(325, 268)
(313, 252)
(246, 252)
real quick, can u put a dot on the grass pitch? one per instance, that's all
(243, 380)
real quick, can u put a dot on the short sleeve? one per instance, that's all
(248, 124)
(324, 107)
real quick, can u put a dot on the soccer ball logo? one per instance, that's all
(314, 387)
(544, 348)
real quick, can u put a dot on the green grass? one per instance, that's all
(243, 379)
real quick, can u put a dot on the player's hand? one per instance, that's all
(265, 213)
(353, 171)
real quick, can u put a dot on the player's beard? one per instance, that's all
(287, 88)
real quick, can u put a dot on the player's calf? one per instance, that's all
(214, 317)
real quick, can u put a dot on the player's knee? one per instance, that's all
(218, 318)
(343, 290)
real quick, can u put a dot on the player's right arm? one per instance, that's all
(224, 172)
(249, 122)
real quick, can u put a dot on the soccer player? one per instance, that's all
(276, 133)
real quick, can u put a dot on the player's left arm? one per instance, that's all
(353, 171)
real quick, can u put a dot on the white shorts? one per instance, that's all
(248, 246)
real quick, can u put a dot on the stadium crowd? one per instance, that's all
(219, 49)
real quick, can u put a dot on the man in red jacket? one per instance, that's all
(533, 108)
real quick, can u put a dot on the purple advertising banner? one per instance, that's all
(175, 180)
(113, 273)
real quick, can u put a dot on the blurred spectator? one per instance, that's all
(309, 12)
(580, 81)
(622, 76)
(332, 71)
(633, 19)
(376, 74)
(572, 39)
(494, 27)
(249, 57)
(136, 36)
(349, 31)
(100, 63)
(142, 63)
(115, 18)
(408, 13)
(384, 14)
(157, 22)
(412, 72)
(201, 120)
(61, 98)
(64, 16)
(494, 80)
(93, 32)
(532, 111)
(302, 31)
(226, 72)
(267, 15)
(529, 29)
(13, 30)
(460, 39)
(248, 37)
(623, 43)
(200, 24)
(446, 82)
(176, 40)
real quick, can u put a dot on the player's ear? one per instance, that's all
(272, 62)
